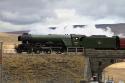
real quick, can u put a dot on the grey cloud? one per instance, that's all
(24, 12)
(96, 8)
(45, 8)
(16, 18)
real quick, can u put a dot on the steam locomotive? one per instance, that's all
(59, 43)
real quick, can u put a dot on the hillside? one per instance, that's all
(115, 71)
(42, 67)
(8, 38)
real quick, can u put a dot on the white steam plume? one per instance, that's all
(87, 30)
(64, 20)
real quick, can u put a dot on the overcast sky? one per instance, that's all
(25, 14)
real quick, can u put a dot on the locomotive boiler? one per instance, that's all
(47, 43)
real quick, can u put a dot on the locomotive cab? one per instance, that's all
(76, 40)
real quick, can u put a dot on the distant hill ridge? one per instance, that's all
(18, 32)
(116, 28)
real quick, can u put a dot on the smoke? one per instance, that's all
(87, 30)
(64, 20)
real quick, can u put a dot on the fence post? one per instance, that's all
(1, 44)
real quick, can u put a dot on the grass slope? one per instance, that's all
(23, 67)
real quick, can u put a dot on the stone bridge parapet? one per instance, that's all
(105, 53)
